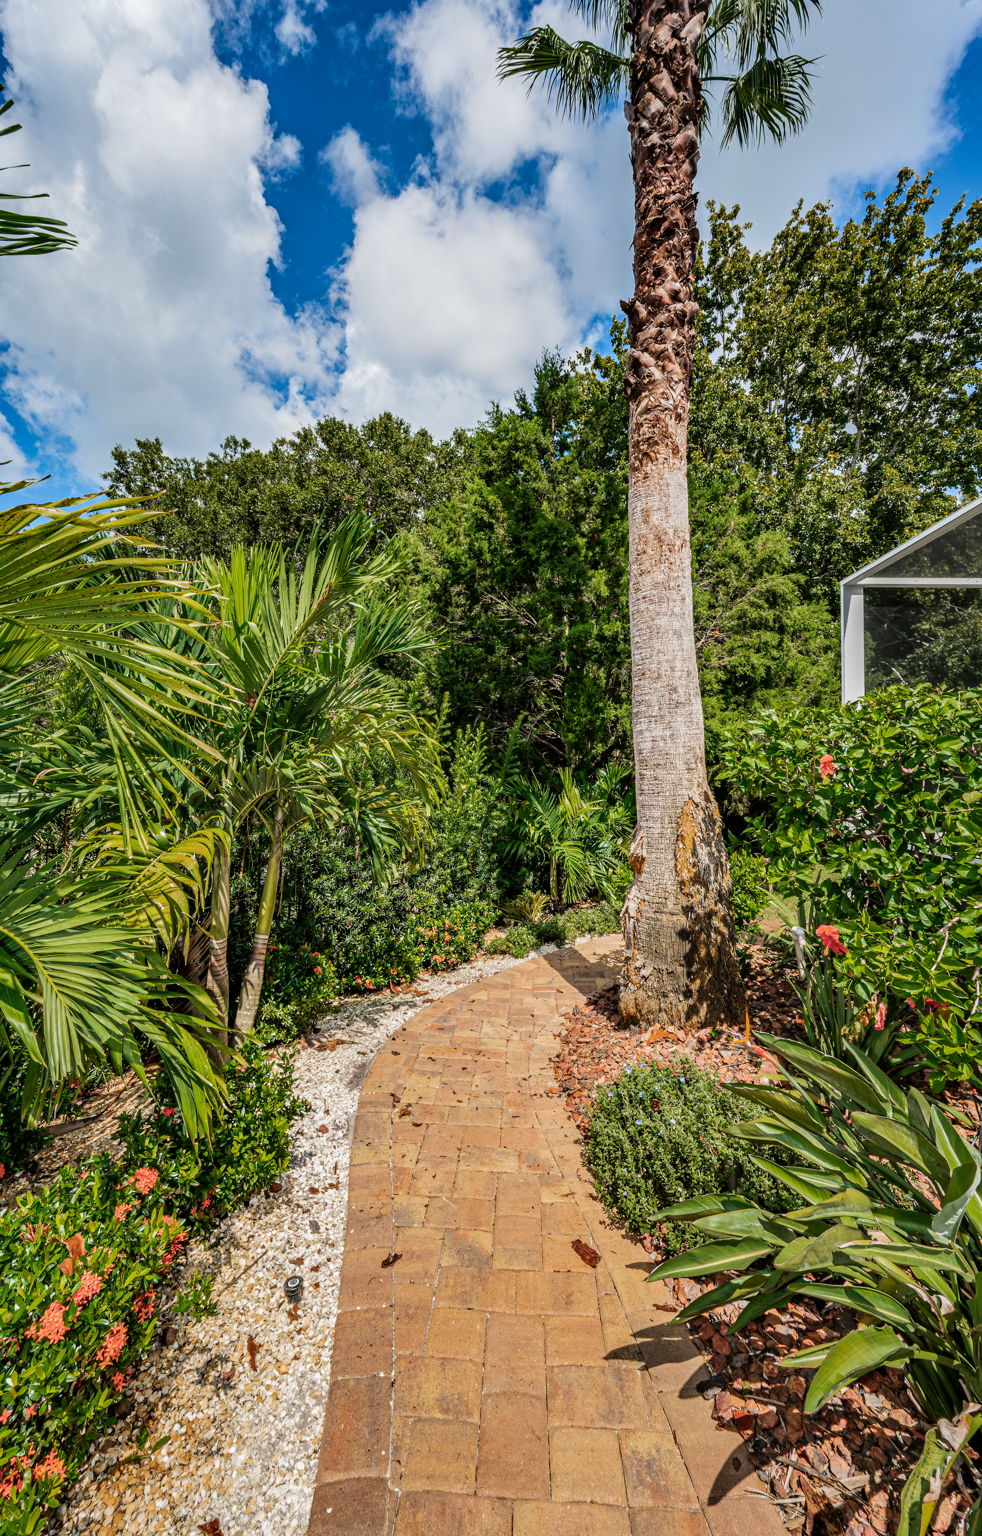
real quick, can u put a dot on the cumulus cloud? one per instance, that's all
(880, 104)
(354, 174)
(289, 21)
(163, 319)
(456, 281)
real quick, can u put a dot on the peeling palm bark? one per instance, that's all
(680, 967)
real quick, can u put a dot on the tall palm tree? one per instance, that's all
(680, 966)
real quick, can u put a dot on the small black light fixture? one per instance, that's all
(293, 1288)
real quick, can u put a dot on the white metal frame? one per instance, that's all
(876, 574)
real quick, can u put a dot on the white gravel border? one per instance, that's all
(243, 1442)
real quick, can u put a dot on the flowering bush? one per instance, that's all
(872, 815)
(249, 1149)
(661, 1134)
(299, 987)
(81, 1264)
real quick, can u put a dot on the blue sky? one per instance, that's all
(294, 207)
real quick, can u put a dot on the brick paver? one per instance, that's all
(485, 1381)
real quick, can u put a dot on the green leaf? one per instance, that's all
(903, 1143)
(961, 1187)
(711, 1258)
(818, 1250)
(851, 1357)
(878, 1304)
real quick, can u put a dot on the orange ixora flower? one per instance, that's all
(122, 1211)
(145, 1179)
(51, 1466)
(52, 1325)
(112, 1345)
(90, 1285)
(144, 1304)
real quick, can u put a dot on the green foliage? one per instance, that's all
(840, 366)
(196, 1298)
(383, 470)
(70, 1333)
(884, 846)
(887, 1223)
(525, 570)
(83, 981)
(204, 1181)
(578, 837)
(25, 233)
(751, 891)
(521, 938)
(381, 928)
(660, 1134)
(301, 985)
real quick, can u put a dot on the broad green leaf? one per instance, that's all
(961, 1188)
(817, 1250)
(711, 1258)
(878, 1304)
(902, 1143)
(851, 1357)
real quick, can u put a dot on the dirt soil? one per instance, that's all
(835, 1473)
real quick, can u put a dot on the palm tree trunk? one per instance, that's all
(252, 981)
(216, 977)
(680, 966)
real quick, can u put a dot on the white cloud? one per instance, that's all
(293, 29)
(163, 319)
(879, 105)
(512, 234)
(354, 174)
(457, 281)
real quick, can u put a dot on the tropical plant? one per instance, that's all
(85, 921)
(890, 1228)
(580, 837)
(27, 234)
(661, 50)
(528, 907)
(297, 656)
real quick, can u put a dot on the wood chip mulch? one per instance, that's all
(835, 1473)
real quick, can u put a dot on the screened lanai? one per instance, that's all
(915, 615)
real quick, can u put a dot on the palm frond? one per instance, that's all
(581, 79)
(158, 890)
(27, 233)
(610, 16)
(773, 98)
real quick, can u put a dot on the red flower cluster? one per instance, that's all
(826, 766)
(144, 1180)
(112, 1345)
(90, 1285)
(144, 1305)
(51, 1327)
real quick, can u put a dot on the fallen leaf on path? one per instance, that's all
(392, 1259)
(253, 1349)
(211, 1528)
(585, 1252)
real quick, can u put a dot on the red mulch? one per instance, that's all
(835, 1473)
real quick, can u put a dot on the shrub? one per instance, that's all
(520, 940)
(250, 1147)
(299, 987)
(887, 1222)
(661, 1134)
(872, 813)
(750, 890)
(517, 941)
(81, 1263)
(17, 1140)
(378, 931)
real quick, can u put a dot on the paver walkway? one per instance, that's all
(488, 1382)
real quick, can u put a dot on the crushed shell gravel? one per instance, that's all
(243, 1443)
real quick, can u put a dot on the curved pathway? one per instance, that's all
(486, 1380)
